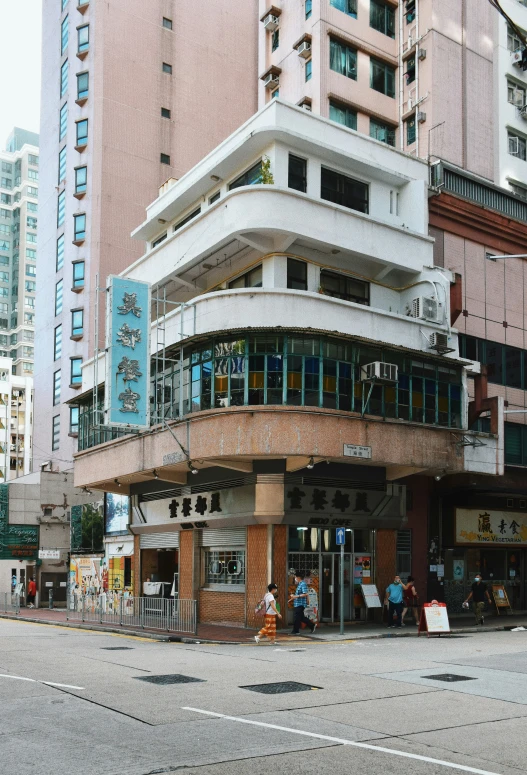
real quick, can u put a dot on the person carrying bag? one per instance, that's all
(270, 611)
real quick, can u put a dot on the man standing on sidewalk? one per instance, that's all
(393, 598)
(300, 600)
(479, 594)
(31, 592)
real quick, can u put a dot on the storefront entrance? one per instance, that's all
(497, 566)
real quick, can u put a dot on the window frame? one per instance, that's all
(64, 77)
(300, 176)
(77, 323)
(64, 35)
(63, 121)
(81, 140)
(244, 178)
(59, 297)
(55, 433)
(80, 188)
(350, 55)
(296, 282)
(79, 234)
(75, 371)
(61, 208)
(57, 342)
(350, 8)
(166, 68)
(59, 253)
(78, 282)
(346, 295)
(74, 426)
(62, 164)
(83, 45)
(387, 26)
(388, 76)
(236, 283)
(83, 91)
(56, 387)
(335, 105)
(343, 180)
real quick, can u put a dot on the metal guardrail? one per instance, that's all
(170, 615)
(10, 602)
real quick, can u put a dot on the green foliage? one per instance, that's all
(92, 528)
(267, 175)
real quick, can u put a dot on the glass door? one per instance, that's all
(330, 588)
(327, 587)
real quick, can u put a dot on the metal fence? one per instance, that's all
(170, 615)
(10, 602)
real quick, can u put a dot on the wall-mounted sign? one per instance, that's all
(49, 554)
(127, 395)
(342, 507)
(486, 526)
(202, 509)
(355, 450)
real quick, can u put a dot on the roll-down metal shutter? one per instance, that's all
(159, 540)
(227, 536)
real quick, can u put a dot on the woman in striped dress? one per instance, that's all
(271, 612)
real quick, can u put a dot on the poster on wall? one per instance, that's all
(458, 570)
(487, 526)
(116, 513)
(86, 575)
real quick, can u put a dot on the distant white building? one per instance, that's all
(16, 422)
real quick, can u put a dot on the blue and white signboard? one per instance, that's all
(127, 394)
(341, 536)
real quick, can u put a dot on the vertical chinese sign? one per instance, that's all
(127, 395)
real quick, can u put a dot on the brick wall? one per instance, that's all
(221, 607)
(385, 560)
(256, 572)
(280, 565)
(186, 555)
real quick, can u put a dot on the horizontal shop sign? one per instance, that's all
(489, 526)
(49, 554)
(355, 450)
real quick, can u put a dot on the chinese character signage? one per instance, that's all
(200, 510)
(485, 526)
(324, 506)
(128, 352)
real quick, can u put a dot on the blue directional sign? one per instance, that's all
(341, 536)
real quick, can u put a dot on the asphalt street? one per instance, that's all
(77, 702)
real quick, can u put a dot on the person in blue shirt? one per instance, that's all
(300, 599)
(393, 598)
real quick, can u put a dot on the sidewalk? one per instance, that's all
(215, 633)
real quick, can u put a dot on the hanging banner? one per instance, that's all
(127, 394)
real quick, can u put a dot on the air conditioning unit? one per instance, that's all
(439, 342)
(271, 80)
(270, 22)
(421, 117)
(304, 49)
(378, 371)
(306, 106)
(516, 58)
(424, 308)
(421, 53)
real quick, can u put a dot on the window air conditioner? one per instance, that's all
(304, 49)
(306, 106)
(424, 308)
(271, 80)
(378, 371)
(439, 342)
(516, 58)
(270, 22)
(421, 53)
(421, 117)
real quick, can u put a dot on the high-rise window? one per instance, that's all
(31, 254)
(56, 387)
(64, 34)
(517, 145)
(297, 173)
(83, 38)
(60, 253)
(64, 78)
(30, 286)
(347, 6)
(167, 68)
(164, 158)
(7, 167)
(6, 182)
(343, 59)
(62, 165)
(55, 433)
(77, 322)
(382, 77)
(342, 114)
(78, 274)
(80, 179)
(32, 191)
(31, 221)
(410, 69)
(76, 371)
(309, 69)
(345, 191)
(63, 121)
(32, 174)
(382, 18)
(59, 290)
(382, 132)
(410, 131)
(167, 23)
(61, 208)
(165, 113)
(83, 85)
(308, 7)
(74, 419)
(57, 343)
(64, 3)
(296, 274)
(251, 177)
(82, 132)
(79, 227)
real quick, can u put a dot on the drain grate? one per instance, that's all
(116, 648)
(165, 680)
(280, 688)
(449, 677)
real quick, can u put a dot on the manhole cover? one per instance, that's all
(449, 677)
(280, 688)
(116, 648)
(164, 680)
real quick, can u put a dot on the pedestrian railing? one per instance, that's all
(10, 602)
(170, 615)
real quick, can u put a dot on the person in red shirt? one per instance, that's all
(411, 600)
(31, 592)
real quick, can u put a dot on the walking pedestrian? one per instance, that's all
(478, 595)
(300, 600)
(410, 600)
(31, 592)
(393, 598)
(271, 612)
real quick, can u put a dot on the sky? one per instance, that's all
(20, 26)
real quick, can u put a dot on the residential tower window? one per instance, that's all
(513, 41)
(32, 174)
(516, 94)
(224, 566)
(82, 132)
(81, 174)
(345, 191)
(347, 6)
(83, 38)
(31, 191)
(343, 59)
(187, 219)
(55, 433)
(59, 290)
(159, 240)
(382, 132)
(57, 343)
(77, 322)
(214, 197)
(167, 68)
(165, 113)
(76, 371)
(60, 253)
(64, 78)
(167, 23)
(164, 158)
(62, 165)
(342, 114)
(249, 178)
(343, 287)
(61, 208)
(410, 69)
(74, 419)
(78, 274)
(297, 173)
(296, 275)
(410, 131)
(382, 77)
(308, 7)
(382, 18)
(64, 34)
(251, 279)
(79, 227)
(275, 40)
(63, 121)
(56, 388)
(309, 69)
(83, 83)
(517, 146)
